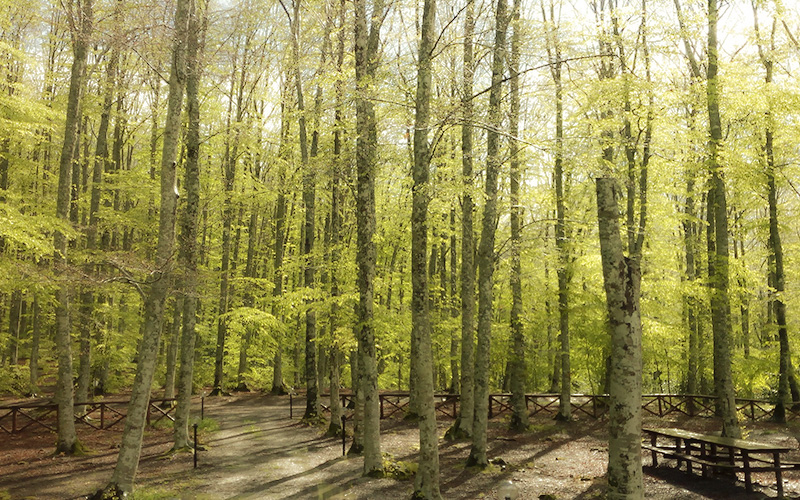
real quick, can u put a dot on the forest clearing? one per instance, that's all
(257, 452)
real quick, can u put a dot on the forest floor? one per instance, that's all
(258, 452)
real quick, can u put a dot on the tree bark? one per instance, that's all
(335, 428)
(720, 300)
(562, 270)
(67, 441)
(477, 454)
(155, 296)
(187, 249)
(518, 373)
(278, 386)
(367, 38)
(622, 280)
(462, 428)
(426, 481)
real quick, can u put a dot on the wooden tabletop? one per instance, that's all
(741, 444)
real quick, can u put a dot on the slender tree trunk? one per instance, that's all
(187, 249)
(366, 62)
(36, 335)
(67, 441)
(518, 373)
(278, 386)
(172, 350)
(689, 236)
(454, 334)
(249, 301)
(156, 294)
(335, 428)
(622, 278)
(426, 481)
(562, 270)
(720, 300)
(462, 428)
(775, 247)
(477, 454)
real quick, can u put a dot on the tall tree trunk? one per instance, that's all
(36, 335)
(335, 427)
(172, 349)
(67, 441)
(622, 278)
(775, 247)
(426, 481)
(454, 334)
(278, 386)
(477, 454)
(462, 428)
(720, 300)
(562, 270)
(156, 294)
(249, 301)
(690, 301)
(366, 63)
(518, 373)
(187, 243)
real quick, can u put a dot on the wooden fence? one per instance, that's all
(590, 405)
(99, 415)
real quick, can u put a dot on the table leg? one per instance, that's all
(688, 446)
(653, 440)
(776, 458)
(748, 483)
(713, 457)
(703, 456)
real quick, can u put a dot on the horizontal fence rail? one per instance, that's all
(100, 415)
(589, 405)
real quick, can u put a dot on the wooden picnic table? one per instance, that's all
(715, 453)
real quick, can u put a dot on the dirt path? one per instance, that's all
(259, 453)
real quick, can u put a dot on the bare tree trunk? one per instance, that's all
(622, 278)
(562, 375)
(249, 301)
(156, 294)
(426, 481)
(518, 373)
(36, 335)
(187, 250)
(67, 439)
(477, 454)
(278, 386)
(775, 247)
(720, 300)
(366, 62)
(172, 350)
(335, 428)
(462, 428)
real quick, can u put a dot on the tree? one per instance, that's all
(519, 418)
(622, 280)
(776, 272)
(462, 428)
(155, 296)
(367, 37)
(187, 242)
(562, 361)
(486, 253)
(81, 20)
(426, 481)
(335, 428)
(720, 300)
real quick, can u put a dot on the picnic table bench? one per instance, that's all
(714, 453)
